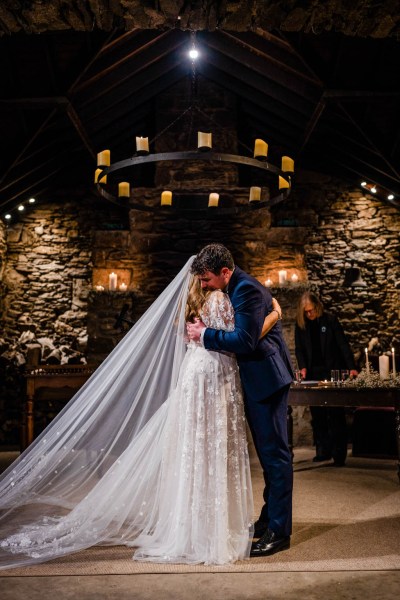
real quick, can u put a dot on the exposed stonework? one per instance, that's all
(361, 18)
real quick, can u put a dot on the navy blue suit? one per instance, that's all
(266, 374)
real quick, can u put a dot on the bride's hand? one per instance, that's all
(194, 329)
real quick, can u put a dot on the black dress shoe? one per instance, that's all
(321, 458)
(260, 527)
(269, 543)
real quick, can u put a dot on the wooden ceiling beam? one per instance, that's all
(361, 130)
(265, 56)
(45, 122)
(81, 130)
(270, 89)
(128, 94)
(359, 95)
(160, 45)
(241, 60)
(311, 125)
(33, 103)
(372, 171)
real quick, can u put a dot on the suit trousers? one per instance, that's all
(268, 425)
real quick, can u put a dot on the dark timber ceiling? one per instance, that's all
(322, 86)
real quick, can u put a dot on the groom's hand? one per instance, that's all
(194, 329)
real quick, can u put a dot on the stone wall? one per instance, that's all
(54, 253)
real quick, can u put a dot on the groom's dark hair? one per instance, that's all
(212, 258)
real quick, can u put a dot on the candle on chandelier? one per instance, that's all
(166, 198)
(104, 158)
(255, 194)
(384, 366)
(260, 149)
(282, 275)
(213, 200)
(283, 184)
(394, 364)
(142, 145)
(97, 174)
(112, 282)
(204, 140)
(366, 361)
(124, 189)
(287, 164)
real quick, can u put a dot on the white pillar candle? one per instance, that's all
(204, 140)
(394, 364)
(112, 282)
(213, 200)
(282, 276)
(287, 164)
(294, 278)
(123, 287)
(255, 194)
(96, 176)
(142, 145)
(260, 149)
(104, 158)
(166, 198)
(366, 361)
(124, 189)
(268, 282)
(283, 184)
(383, 366)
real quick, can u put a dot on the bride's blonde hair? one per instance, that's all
(195, 299)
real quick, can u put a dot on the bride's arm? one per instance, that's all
(270, 320)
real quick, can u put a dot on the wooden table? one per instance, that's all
(49, 377)
(316, 395)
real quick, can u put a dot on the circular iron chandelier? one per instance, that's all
(119, 193)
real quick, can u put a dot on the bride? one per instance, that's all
(151, 453)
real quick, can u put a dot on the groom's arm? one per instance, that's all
(249, 307)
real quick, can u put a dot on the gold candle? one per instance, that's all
(96, 176)
(142, 145)
(166, 198)
(104, 158)
(213, 200)
(287, 164)
(124, 189)
(255, 194)
(283, 184)
(204, 140)
(260, 149)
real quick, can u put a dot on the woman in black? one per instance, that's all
(321, 346)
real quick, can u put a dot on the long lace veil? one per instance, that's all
(70, 457)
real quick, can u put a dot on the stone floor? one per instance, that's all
(350, 585)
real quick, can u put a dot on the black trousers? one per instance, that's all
(330, 432)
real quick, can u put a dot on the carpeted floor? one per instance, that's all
(345, 519)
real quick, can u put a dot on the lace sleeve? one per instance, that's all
(217, 312)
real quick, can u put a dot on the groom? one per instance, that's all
(266, 374)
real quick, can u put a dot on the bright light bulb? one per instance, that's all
(193, 53)
(32, 200)
(7, 216)
(390, 197)
(373, 190)
(21, 207)
(363, 183)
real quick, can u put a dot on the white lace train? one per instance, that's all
(181, 491)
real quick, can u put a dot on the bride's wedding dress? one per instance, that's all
(180, 491)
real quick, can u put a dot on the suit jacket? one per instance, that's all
(265, 365)
(335, 350)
